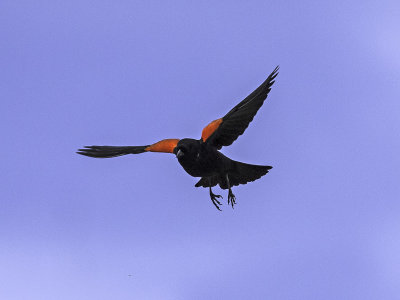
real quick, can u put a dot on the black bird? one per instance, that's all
(201, 158)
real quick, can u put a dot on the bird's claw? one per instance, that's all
(231, 198)
(215, 200)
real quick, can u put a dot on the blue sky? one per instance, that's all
(323, 224)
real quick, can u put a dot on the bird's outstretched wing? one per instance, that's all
(224, 131)
(166, 146)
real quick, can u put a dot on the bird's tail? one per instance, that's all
(110, 151)
(241, 173)
(244, 173)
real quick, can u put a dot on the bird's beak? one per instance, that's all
(179, 154)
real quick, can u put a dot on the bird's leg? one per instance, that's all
(231, 196)
(214, 198)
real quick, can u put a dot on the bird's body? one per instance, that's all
(201, 158)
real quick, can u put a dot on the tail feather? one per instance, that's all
(110, 151)
(242, 173)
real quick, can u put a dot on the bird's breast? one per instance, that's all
(203, 163)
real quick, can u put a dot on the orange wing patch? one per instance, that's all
(210, 129)
(166, 146)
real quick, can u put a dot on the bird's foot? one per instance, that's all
(231, 198)
(215, 200)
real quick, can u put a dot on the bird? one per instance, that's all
(201, 157)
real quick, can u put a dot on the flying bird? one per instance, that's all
(201, 158)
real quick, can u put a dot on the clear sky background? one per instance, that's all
(323, 224)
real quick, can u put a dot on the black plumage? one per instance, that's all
(201, 158)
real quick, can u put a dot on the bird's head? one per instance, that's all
(186, 149)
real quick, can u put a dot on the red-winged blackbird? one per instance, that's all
(201, 158)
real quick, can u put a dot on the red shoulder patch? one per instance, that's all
(167, 146)
(210, 129)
